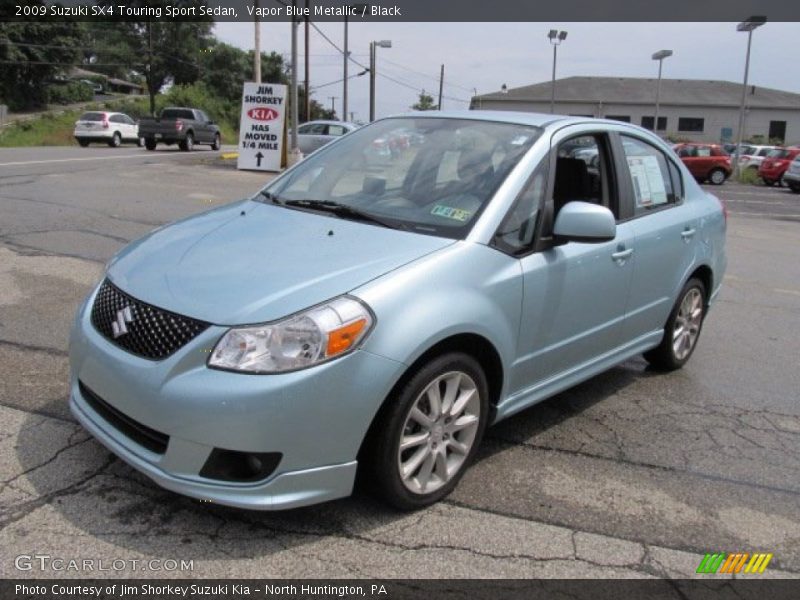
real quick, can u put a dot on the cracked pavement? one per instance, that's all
(631, 474)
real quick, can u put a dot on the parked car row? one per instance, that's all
(185, 127)
(713, 163)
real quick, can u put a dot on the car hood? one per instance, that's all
(250, 262)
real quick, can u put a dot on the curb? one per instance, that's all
(229, 155)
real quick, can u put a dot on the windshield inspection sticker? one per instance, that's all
(457, 214)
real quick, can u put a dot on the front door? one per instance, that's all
(575, 294)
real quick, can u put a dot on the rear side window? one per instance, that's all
(655, 181)
(177, 113)
(93, 116)
(336, 130)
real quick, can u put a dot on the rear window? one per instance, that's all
(93, 116)
(177, 113)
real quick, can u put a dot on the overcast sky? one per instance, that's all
(487, 55)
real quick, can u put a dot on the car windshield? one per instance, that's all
(92, 116)
(428, 175)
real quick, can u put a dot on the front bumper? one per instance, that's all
(791, 176)
(316, 418)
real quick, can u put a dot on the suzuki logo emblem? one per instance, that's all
(119, 326)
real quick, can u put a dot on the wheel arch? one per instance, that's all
(706, 275)
(475, 345)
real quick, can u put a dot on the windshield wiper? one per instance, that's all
(343, 210)
(270, 196)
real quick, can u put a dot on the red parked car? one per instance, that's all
(707, 162)
(775, 164)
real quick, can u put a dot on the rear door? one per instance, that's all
(666, 234)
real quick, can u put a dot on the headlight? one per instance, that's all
(302, 340)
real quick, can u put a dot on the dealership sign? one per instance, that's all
(261, 128)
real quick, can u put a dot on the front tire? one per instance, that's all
(217, 143)
(682, 329)
(717, 176)
(428, 433)
(795, 188)
(768, 182)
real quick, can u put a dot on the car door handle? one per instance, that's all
(621, 254)
(687, 234)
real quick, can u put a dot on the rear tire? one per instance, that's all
(682, 330)
(427, 433)
(795, 188)
(116, 140)
(717, 176)
(150, 144)
(83, 143)
(768, 182)
(188, 143)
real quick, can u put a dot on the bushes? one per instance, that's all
(68, 93)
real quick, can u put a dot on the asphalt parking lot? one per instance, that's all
(631, 474)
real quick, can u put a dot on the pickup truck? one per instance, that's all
(183, 126)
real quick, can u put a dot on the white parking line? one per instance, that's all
(62, 160)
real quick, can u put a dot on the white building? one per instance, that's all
(689, 109)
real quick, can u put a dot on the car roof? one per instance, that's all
(515, 117)
(328, 122)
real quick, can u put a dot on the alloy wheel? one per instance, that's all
(439, 432)
(687, 323)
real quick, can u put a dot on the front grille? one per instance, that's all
(153, 440)
(142, 329)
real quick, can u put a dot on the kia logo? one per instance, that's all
(262, 114)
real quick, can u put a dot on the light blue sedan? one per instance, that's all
(378, 311)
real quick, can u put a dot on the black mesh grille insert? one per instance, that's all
(140, 328)
(153, 440)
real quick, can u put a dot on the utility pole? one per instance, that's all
(257, 45)
(308, 76)
(333, 103)
(150, 90)
(371, 82)
(344, 71)
(294, 151)
(441, 86)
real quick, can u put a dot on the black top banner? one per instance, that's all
(400, 10)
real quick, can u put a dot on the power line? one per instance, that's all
(433, 77)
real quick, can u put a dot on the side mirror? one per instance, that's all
(584, 222)
(211, 123)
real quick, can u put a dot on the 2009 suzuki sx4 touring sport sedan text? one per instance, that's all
(376, 309)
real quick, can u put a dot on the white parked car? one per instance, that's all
(751, 157)
(111, 128)
(315, 134)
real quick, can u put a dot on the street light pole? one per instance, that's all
(749, 25)
(659, 56)
(373, 47)
(555, 37)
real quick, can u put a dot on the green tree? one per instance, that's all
(31, 55)
(425, 102)
(158, 51)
